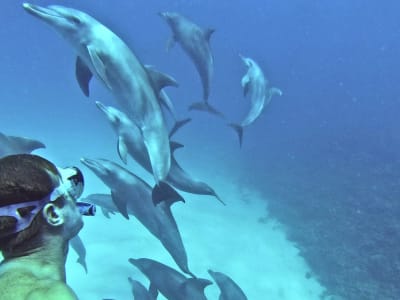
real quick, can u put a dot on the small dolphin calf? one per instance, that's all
(130, 142)
(195, 41)
(17, 145)
(229, 289)
(169, 282)
(128, 190)
(255, 85)
(136, 88)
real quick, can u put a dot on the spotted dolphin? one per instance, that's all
(257, 88)
(169, 282)
(230, 290)
(195, 41)
(126, 188)
(136, 88)
(17, 145)
(130, 142)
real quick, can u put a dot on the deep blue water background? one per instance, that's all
(326, 152)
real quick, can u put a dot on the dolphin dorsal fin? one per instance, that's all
(122, 149)
(83, 75)
(197, 284)
(159, 80)
(207, 33)
(163, 192)
(175, 145)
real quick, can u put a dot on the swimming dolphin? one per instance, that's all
(169, 282)
(105, 202)
(78, 246)
(136, 88)
(229, 289)
(17, 145)
(195, 41)
(256, 86)
(139, 291)
(126, 188)
(130, 142)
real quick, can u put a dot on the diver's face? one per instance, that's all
(73, 222)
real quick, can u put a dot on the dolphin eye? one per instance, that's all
(75, 20)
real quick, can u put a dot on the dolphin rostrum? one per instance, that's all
(195, 41)
(169, 282)
(229, 289)
(256, 87)
(17, 145)
(136, 88)
(130, 142)
(128, 190)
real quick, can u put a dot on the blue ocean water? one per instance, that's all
(325, 154)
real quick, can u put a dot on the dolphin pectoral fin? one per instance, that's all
(174, 145)
(275, 91)
(239, 130)
(170, 43)
(83, 75)
(160, 80)
(98, 65)
(82, 262)
(178, 125)
(197, 284)
(105, 212)
(153, 291)
(207, 33)
(120, 203)
(163, 192)
(245, 84)
(122, 150)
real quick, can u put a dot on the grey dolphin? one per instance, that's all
(257, 88)
(229, 289)
(105, 202)
(195, 41)
(169, 282)
(139, 291)
(130, 142)
(78, 246)
(136, 88)
(126, 188)
(17, 145)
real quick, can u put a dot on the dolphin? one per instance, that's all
(105, 202)
(139, 291)
(78, 246)
(128, 190)
(256, 86)
(130, 142)
(169, 282)
(136, 88)
(17, 145)
(195, 41)
(229, 289)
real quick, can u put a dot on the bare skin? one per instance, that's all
(39, 273)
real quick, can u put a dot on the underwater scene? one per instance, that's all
(234, 149)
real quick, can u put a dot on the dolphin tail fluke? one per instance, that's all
(82, 262)
(239, 130)
(178, 125)
(205, 106)
(164, 192)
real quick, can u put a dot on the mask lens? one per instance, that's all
(73, 179)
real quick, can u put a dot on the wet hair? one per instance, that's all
(24, 178)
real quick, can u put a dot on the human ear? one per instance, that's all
(53, 214)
